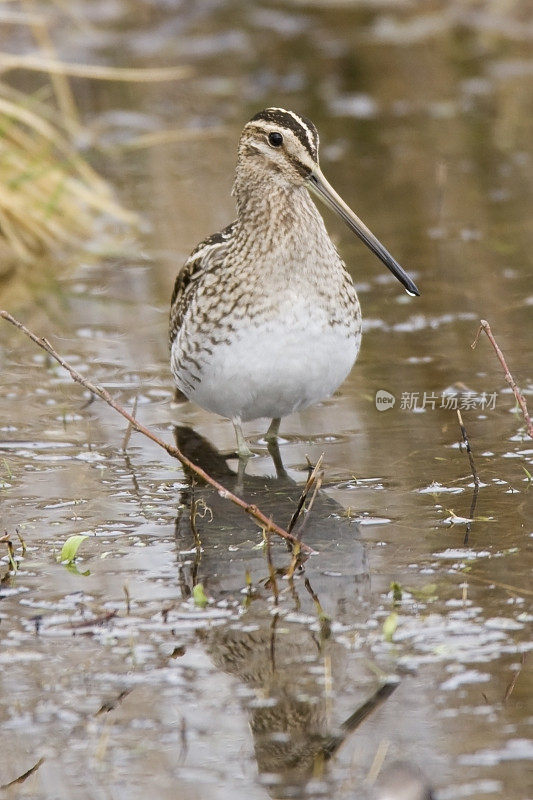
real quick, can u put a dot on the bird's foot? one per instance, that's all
(243, 451)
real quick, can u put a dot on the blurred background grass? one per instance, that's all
(50, 195)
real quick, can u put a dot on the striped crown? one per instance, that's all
(301, 127)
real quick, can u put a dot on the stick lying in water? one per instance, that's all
(484, 326)
(173, 451)
(22, 778)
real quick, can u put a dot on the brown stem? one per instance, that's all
(173, 451)
(271, 569)
(303, 497)
(474, 475)
(22, 778)
(468, 448)
(484, 325)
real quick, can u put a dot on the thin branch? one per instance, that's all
(303, 497)
(110, 705)
(318, 483)
(91, 623)
(510, 688)
(323, 618)
(22, 778)
(474, 475)
(262, 520)
(332, 744)
(484, 325)
(468, 448)
(271, 569)
(129, 429)
(516, 590)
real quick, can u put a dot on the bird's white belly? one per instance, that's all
(272, 369)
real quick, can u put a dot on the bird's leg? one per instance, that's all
(273, 429)
(243, 450)
(273, 449)
(271, 437)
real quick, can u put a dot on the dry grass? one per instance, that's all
(50, 197)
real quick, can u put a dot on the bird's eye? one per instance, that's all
(275, 139)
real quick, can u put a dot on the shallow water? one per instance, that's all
(425, 123)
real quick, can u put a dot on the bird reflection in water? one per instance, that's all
(281, 648)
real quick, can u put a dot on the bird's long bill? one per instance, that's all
(319, 186)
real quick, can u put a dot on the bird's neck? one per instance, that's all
(273, 216)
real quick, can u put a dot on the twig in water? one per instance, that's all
(271, 569)
(249, 588)
(314, 478)
(272, 648)
(377, 763)
(484, 325)
(110, 705)
(22, 778)
(195, 512)
(516, 590)
(92, 623)
(13, 566)
(332, 744)
(294, 594)
(318, 483)
(296, 562)
(21, 540)
(184, 741)
(323, 618)
(172, 450)
(468, 448)
(126, 590)
(129, 429)
(474, 475)
(512, 684)
(193, 515)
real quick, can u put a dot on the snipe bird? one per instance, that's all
(264, 318)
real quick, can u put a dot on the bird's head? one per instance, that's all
(280, 144)
(280, 148)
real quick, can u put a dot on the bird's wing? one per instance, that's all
(208, 254)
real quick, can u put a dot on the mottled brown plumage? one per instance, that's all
(264, 317)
